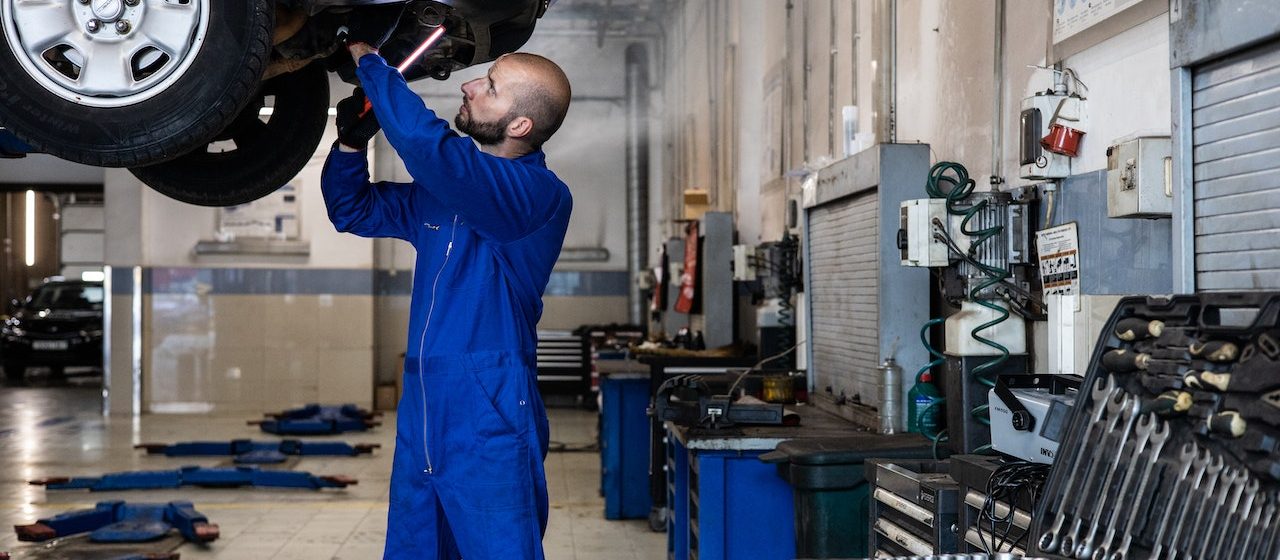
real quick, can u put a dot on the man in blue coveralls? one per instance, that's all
(488, 223)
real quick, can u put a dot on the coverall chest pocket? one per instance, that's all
(504, 395)
(469, 270)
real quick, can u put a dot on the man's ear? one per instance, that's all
(520, 127)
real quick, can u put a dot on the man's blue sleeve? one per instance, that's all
(357, 206)
(502, 199)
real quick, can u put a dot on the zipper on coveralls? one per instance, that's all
(422, 374)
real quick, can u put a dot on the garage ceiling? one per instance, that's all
(606, 17)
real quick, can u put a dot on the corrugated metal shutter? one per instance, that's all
(1236, 169)
(844, 294)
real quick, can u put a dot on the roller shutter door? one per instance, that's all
(1236, 171)
(844, 295)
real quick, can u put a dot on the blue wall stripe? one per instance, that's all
(122, 280)
(393, 283)
(258, 281)
(1106, 241)
(588, 283)
(317, 281)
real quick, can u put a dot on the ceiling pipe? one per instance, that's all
(637, 86)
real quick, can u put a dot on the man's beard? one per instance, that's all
(486, 133)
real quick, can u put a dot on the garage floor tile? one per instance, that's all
(57, 431)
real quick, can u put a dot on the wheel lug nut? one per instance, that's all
(122, 26)
(93, 25)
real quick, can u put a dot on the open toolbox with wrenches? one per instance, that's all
(1173, 448)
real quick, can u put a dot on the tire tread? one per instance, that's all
(228, 106)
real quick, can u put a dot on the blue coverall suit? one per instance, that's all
(471, 434)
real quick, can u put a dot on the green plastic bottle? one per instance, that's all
(924, 406)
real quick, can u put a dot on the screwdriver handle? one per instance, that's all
(1229, 423)
(1124, 361)
(1215, 350)
(1137, 328)
(1170, 403)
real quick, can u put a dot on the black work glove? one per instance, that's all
(373, 25)
(357, 124)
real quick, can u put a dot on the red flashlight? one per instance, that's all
(409, 60)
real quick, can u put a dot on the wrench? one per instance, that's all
(1186, 483)
(1100, 393)
(1203, 529)
(1251, 548)
(1127, 409)
(1209, 481)
(1157, 439)
(1093, 468)
(1146, 424)
(1269, 541)
(1249, 491)
(1273, 543)
(1230, 500)
(1240, 541)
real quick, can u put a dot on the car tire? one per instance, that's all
(266, 155)
(217, 73)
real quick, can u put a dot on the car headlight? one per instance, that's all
(12, 330)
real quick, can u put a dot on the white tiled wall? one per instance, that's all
(254, 353)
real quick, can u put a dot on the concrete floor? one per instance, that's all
(57, 431)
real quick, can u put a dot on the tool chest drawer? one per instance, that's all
(914, 508)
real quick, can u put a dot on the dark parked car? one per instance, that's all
(215, 102)
(59, 325)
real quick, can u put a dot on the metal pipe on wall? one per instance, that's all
(806, 69)
(997, 110)
(886, 60)
(832, 139)
(637, 84)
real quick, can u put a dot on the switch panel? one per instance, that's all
(915, 234)
(1139, 178)
(1035, 162)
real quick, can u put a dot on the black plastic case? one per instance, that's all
(1234, 416)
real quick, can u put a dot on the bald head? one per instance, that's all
(542, 94)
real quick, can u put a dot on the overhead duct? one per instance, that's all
(637, 83)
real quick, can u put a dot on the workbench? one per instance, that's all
(725, 504)
(662, 368)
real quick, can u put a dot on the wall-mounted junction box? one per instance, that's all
(1140, 178)
(744, 263)
(915, 232)
(1035, 162)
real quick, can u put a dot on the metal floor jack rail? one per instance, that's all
(315, 419)
(121, 522)
(216, 477)
(259, 452)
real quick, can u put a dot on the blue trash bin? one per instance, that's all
(624, 446)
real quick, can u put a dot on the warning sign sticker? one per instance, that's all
(1059, 250)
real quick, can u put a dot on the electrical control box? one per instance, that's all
(916, 241)
(1140, 178)
(1035, 162)
(744, 263)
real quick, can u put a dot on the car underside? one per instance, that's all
(216, 102)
